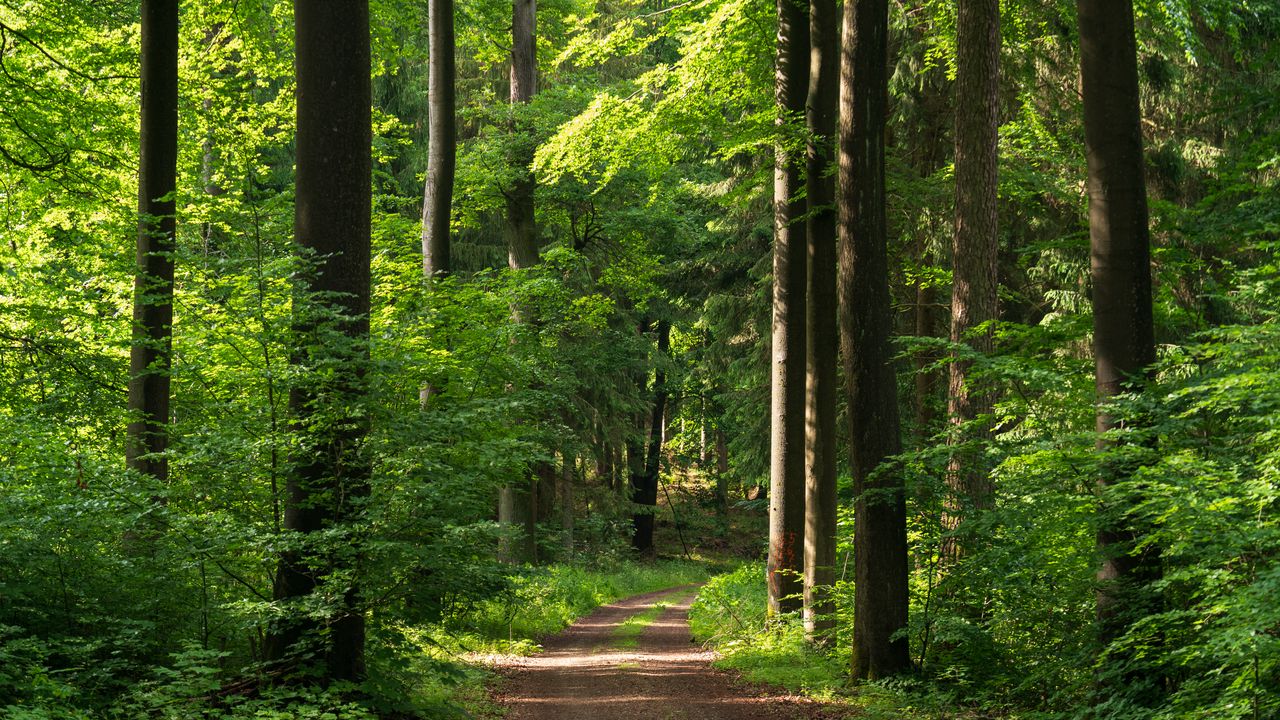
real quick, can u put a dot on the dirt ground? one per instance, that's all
(584, 675)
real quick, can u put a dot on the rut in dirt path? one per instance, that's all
(583, 674)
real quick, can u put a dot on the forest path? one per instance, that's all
(594, 671)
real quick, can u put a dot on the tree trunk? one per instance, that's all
(1123, 326)
(644, 488)
(517, 506)
(437, 200)
(330, 478)
(822, 333)
(566, 503)
(722, 473)
(151, 349)
(880, 533)
(974, 251)
(786, 447)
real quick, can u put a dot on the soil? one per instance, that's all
(583, 674)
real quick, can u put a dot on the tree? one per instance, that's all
(786, 446)
(330, 477)
(822, 333)
(1123, 325)
(516, 505)
(150, 352)
(880, 530)
(644, 485)
(437, 202)
(975, 244)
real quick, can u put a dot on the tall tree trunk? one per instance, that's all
(822, 334)
(974, 251)
(517, 505)
(786, 447)
(330, 479)
(1123, 326)
(722, 473)
(566, 502)
(151, 349)
(644, 488)
(437, 200)
(866, 323)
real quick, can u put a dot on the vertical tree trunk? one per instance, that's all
(329, 481)
(437, 200)
(822, 334)
(975, 246)
(644, 488)
(880, 533)
(786, 447)
(516, 505)
(722, 473)
(1123, 326)
(566, 502)
(151, 349)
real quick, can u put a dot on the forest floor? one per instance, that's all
(635, 660)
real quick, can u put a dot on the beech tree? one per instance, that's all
(518, 505)
(150, 354)
(644, 477)
(437, 202)
(974, 249)
(822, 334)
(329, 481)
(866, 326)
(787, 410)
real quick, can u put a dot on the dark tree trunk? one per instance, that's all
(151, 348)
(522, 234)
(880, 532)
(565, 493)
(822, 333)
(786, 447)
(644, 488)
(329, 482)
(974, 251)
(722, 473)
(1123, 327)
(517, 505)
(437, 201)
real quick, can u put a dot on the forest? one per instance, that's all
(812, 359)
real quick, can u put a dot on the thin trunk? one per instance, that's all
(330, 478)
(151, 349)
(644, 489)
(437, 201)
(822, 332)
(1123, 326)
(880, 533)
(786, 447)
(566, 503)
(722, 473)
(975, 247)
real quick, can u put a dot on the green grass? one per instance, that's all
(729, 615)
(627, 635)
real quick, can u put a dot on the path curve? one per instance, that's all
(583, 675)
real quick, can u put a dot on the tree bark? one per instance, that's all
(975, 245)
(1123, 325)
(329, 482)
(822, 334)
(786, 447)
(880, 532)
(644, 488)
(517, 506)
(150, 352)
(442, 148)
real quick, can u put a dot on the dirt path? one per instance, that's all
(583, 674)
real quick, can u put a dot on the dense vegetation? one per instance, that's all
(423, 466)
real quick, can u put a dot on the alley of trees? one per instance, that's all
(343, 342)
